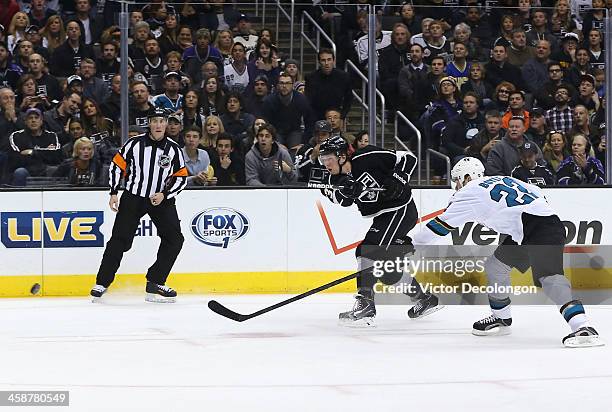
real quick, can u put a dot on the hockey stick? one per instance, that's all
(238, 317)
(326, 186)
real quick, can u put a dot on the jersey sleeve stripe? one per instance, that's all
(439, 227)
(120, 162)
(181, 172)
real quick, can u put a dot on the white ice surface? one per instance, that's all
(127, 355)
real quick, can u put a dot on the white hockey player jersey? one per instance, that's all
(496, 202)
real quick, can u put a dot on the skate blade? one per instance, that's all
(499, 331)
(95, 299)
(583, 342)
(154, 298)
(427, 312)
(359, 323)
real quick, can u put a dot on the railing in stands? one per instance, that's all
(441, 156)
(400, 116)
(363, 100)
(315, 45)
(288, 15)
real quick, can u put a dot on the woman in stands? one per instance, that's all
(169, 39)
(555, 149)
(97, 127)
(265, 62)
(27, 97)
(580, 168)
(16, 30)
(501, 97)
(506, 27)
(82, 169)
(477, 84)
(224, 43)
(212, 128)
(212, 97)
(54, 33)
(192, 112)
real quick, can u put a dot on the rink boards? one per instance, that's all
(245, 241)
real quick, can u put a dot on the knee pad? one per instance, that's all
(498, 273)
(557, 288)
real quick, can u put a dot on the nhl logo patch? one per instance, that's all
(164, 161)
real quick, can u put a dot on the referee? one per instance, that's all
(154, 170)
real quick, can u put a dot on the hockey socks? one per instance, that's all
(573, 313)
(500, 307)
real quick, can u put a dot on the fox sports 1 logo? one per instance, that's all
(219, 226)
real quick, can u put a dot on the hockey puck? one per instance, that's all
(35, 288)
(597, 262)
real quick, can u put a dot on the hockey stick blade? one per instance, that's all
(238, 317)
(225, 312)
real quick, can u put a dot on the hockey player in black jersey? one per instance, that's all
(393, 211)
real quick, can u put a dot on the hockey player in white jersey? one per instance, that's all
(393, 211)
(535, 238)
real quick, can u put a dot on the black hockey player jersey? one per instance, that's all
(373, 166)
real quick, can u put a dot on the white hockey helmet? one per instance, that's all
(467, 166)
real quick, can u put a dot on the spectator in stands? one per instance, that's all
(16, 29)
(9, 71)
(481, 33)
(26, 94)
(34, 37)
(476, 83)
(292, 68)
(111, 107)
(201, 53)
(108, 65)
(169, 39)
(213, 127)
(34, 149)
(561, 116)
(307, 156)
(587, 95)
(538, 129)
(174, 129)
(252, 137)
(228, 165)
(268, 163)
(458, 67)
(66, 59)
(140, 108)
(254, 98)
(212, 97)
(383, 39)
(75, 131)
(224, 42)
(391, 60)
(597, 57)
(444, 108)
(498, 69)
(218, 15)
(459, 132)
(562, 21)
(74, 84)
(535, 70)
(516, 108)
(287, 110)
(97, 127)
(580, 67)
(505, 30)
(22, 55)
(436, 45)
(424, 36)
(93, 86)
(265, 61)
(582, 125)
(556, 149)
(235, 73)
(197, 160)
(539, 31)
(504, 156)
(580, 168)
(82, 168)
(56, 119)
(236, 121)
(245, 34)
(519, 52)
(594, 18)
(410, 18)
(529, 170)
(567, 55)
(8, 124)
(191, 113)
(414, 86)
(185, 39)
(171, 100)
(488, 137)
(329, 87)
(334, 117)
(10, 7)
(46, 85)
(151, 66)
(545, 96)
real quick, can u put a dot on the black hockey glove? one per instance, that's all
(395, 186)
(351, 188)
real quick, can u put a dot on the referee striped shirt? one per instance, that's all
(149, 167)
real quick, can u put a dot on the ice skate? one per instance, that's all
(96, 292)
(159, 293)
(584, 337)
(425, 306)
(362, 314)
(492, 326)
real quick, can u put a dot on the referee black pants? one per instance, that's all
(131, 209)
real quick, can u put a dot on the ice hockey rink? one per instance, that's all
(128, 355)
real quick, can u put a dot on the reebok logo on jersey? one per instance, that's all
(400, 178)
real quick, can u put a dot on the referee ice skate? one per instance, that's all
(153, 168)
(393, 211)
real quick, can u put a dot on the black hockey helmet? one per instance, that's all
(335, 144)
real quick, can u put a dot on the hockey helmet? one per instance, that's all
(335, 145)
(468, 166)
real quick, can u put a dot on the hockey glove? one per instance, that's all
(351, 188)
(395, 186)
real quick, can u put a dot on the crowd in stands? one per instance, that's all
(517, 83)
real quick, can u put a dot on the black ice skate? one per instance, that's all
(159, 293)
(584, 337)
(492, 326)
(425, 306)
(96, 292)
(361, 315)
